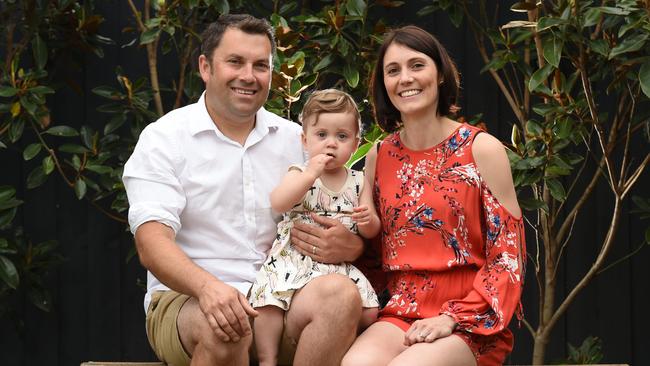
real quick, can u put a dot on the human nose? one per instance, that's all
(247, 73)
(405, 77)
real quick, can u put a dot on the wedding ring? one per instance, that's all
(313, 249)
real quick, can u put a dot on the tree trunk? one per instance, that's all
(539, 349)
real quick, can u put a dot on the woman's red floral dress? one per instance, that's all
(448, 246)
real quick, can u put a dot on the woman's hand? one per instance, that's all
(429, 329)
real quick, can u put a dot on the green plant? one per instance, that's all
(576, 75)
(590, 352)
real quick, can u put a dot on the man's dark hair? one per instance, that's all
(211, 36)
(386, 115)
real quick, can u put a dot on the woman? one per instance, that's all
(452, 231)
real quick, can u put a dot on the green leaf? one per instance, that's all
(548, 22)
(553, 50)
(522, 7)
(630, 44)
(613, 11)
(361, 152)
(534, 128)
(80, 188)
(539, 77)
(7, 91)
(356, 7)
(73, 149)
(5, 205)
(99, 169)
(591, 17)
(556, 188)
(39, 49)
(107, 92)
(223, 7)
(8, 272)
(41, 89)
(87, 136)
(351, 75)
(36, 177)
(323, 63)
(116, 122)
(40, 298)
(31, 151)
(7, 217)
(48, 165)
(644, 78)
(6, 192)
(149, 36)
(426, 10)
(16, 130)
(65, 131)
(600, 46)
(532, 204)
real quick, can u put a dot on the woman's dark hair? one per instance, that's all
(211, 36)
(386, 115)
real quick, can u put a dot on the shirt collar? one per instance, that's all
(201, 121)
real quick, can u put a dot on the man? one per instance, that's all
(198, 185)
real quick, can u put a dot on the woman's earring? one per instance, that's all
(442, 81)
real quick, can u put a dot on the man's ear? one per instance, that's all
(303, 138)
(205, 69)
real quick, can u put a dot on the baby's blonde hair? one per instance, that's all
(328, 101)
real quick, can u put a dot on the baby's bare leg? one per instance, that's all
(368, 316)
(267, 327)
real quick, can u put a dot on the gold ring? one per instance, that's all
(313, 249)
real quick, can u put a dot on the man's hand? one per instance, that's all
(333, 243)
(226, 310)
(429, 329)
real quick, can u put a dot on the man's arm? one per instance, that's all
(225, 308)
(333, 243)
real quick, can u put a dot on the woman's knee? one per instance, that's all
(357, 357)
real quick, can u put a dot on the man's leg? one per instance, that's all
(323, 317)
(205, 347)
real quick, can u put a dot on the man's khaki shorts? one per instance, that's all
(162, 331)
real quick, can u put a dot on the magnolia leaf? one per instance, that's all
(539, 77)
(149, 36)
(7, 91)
(532, 204)
(522, 7)
(7, 191)
(36, 177)
(556, 188)
(48, 165)
(31, 151)
(356, 7)
(519, 24)
(644, 78)
(553, 50)
(80, 188)
(73, 148)
(323, 63)
(351, 75)
(361, 152)
(630, 44)
(39, 50)
(65, 131)
(8, 272)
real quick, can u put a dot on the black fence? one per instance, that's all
(97, 294)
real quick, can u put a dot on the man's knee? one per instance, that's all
(336, 288)
(212, 346)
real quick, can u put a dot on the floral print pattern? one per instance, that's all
(448, 246)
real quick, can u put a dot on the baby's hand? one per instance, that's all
(361, 215)
(316, 164)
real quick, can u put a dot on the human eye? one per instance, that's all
(263, 66)
(342, 136)
(321, 134)
(417, 65)
(391, 71)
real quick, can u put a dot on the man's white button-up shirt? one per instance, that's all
(212, 191)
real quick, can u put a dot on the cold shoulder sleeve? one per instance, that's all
(497, 287)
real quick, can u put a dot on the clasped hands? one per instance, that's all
(429, 329)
